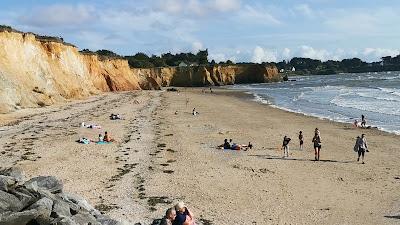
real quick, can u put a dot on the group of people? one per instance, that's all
(363, 123)
(233, 146)
(102, 139)
(115, 116)
(360, 147)
(178, 215)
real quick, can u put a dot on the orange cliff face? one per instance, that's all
(37, 71)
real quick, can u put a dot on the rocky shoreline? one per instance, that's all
(42, 201)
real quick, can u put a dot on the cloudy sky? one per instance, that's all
(239, 30)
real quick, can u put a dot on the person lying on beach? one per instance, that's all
(91, 126)
(84, 141)
(107, 137)
(183, 215)
(169, 217)
(115, 116)
(247, 147)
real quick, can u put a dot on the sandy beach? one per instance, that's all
(164, 154)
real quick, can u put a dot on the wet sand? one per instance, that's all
(160, 158)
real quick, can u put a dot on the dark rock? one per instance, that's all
(48, 183)
(25, 196)
(85, 218)
(14, 172)
(7, 182)
(61, 209)
(9, 202)
(44, 207)
(64, 221)
(18, 218)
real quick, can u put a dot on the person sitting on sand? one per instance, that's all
(285, 146)
(183, 215)
(226, 144)
(301, 139)
(107, 138)
(317, 144)
(115, 116)
(101, 138)
(247, 147)
(362, 148)
(194, 113)
(169, 217)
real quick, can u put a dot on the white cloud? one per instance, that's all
(305, 10)
(380, 52)
(225, 5)
(310, 52)
(196, 46)
(263, 55)
(286, 53)
(59, 15)
(257, 16)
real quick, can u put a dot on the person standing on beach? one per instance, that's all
(317, 143)
(362, 148)
(301, 139)
(363, 121)
(285, 146)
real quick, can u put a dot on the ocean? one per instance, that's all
(342, 97)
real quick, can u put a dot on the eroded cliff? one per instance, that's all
(36, 71)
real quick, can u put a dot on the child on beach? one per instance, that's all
(317, 143)
(301, 139)
(285, 146)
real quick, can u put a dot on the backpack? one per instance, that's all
(355, 148)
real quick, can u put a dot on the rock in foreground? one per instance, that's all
(41, 201)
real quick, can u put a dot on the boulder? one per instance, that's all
(7, 182)
(13, 172)
(62, 209)
(64, 221)
(9, 202)
(44, 207)
(85, 218)
(48, 183)
(19, 218)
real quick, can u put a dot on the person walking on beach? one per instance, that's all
(362, 148)
(301, 139)
(317, 143)
(285, 146)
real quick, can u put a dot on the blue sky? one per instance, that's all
(238, 30)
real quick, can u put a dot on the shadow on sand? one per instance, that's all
(301, 160)
(393, 217)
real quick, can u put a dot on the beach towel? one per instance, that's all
(102, 142)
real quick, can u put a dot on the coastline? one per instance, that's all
(161, 157)
(255, 98)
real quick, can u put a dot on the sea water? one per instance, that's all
(342, 97)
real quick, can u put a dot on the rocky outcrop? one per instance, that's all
(36, 71)
(41, 201)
